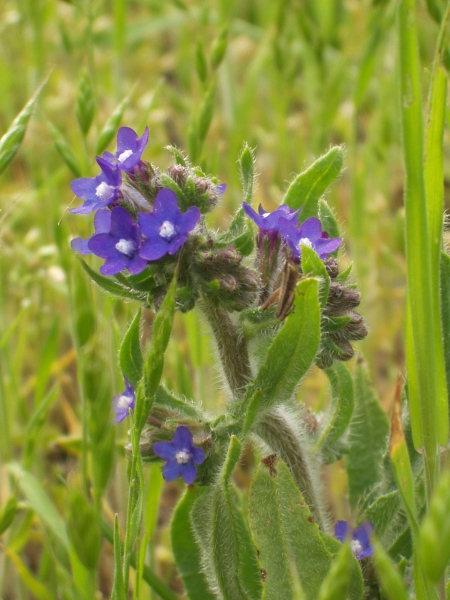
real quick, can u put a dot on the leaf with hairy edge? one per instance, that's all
(313, 266)
(176, 404)
(367, 444)
(336, 584)
(389, 577)
(130, 355)
(11, 140)
(266, 524)
(292, 351)
(226, 550)
(247, 165)
(308, 187)
(239, 235)
(328, 220)
(341, 410)
(110, 285)
(185, 548)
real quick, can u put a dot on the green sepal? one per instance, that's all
(367, 444)
(111, 286)
(185, 548)
(308, 187)
(328, 220)
(178, 155)
(172, 402)
(333, 324)
(313, 266)
(130, 355)
(144, 281)
(342, 405)
(292, 351)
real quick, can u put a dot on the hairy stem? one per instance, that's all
(232, 347)
(292, 446)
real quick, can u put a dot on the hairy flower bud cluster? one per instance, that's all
(341, 324)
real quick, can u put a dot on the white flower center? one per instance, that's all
(167, 230)
(125, 247)
(305, 242)
(124, 402)
(265, 215)
(125, 154)
(183, 457)
(103, 190)
(356, 547)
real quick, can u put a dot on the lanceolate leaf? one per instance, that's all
(293, 350)
(186, 551)
(367, 443)
(342, 404)
(130, 355)
(110, 285)
(308, 187)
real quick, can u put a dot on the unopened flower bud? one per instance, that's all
(346, 349)
(332, 267)
(341, 298)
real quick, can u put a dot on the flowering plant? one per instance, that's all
(275, 308)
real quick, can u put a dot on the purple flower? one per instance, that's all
(181, 456)
(359, 538)
(309, 234)
(102, 224)
(99, 191)
(119, 245)
(124, 402)
(166, 228)
(269, 221)
(129, 149)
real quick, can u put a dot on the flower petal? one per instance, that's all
(198, 456)
(172, 470)
(112, 266)
(154, 249)
(81, 246)
(165, 450)
(342, 531)
(182, 438)
(189, 472)
(189, 219)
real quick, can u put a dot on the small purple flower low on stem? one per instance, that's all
(181, 456)
(129, 149)
(308, 234)
(124, 402)
(102, 224)
(359, 538)
(99, 191)
(166, 228)
(120, 245)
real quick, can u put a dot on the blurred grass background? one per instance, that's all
(297, 77)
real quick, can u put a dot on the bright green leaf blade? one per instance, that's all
(336, 584)
(389, 577)
(65, 151)
(312, 266)
(110, 285)
(309, 186)
(185, 549)
(130, 355)
(247, 166)
(342, 405)
(293, 350)
(367, 444)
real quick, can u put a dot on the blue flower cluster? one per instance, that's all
(359, 538)
(123, 241)
(282, 224)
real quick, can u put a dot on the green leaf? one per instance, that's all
(118, 591)
(7, 513)
(83, 529)
(367, 444)
(309, 186)
(312, 266)
(219, 48)
(269, 536)
(168, 182)
(342, 404)
(130, 355)
(445, 316)
(293, 350)
(328, 220)
(252, 411)
(247, 166)
(111, 126)
(336, 584)
(205, 115)
(382, 511)
(176, 404)
(111, 286)
(11, 140)
(200, 62)
(178, 155)
(239, 234)
(185, 548)
(434, 537)
(389, 577)
(85, 107)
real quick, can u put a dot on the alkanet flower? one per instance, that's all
(268, 221)
(181, 456)
(166, 228)
(99, 191)
(308, 234)
(124, 402)
(129, 149)
(359, 538)
(120, 245)
(102, 224)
